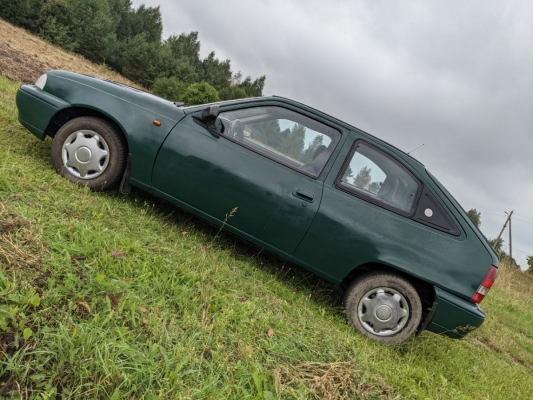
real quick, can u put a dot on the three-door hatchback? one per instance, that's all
(309, 188)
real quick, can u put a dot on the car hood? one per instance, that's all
(58, 84)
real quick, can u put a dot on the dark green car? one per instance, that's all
(309, 188)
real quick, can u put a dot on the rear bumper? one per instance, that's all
(36, 109)
(454, 317)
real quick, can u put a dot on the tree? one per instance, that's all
(215, 72)
(530, 263)
(139, 60)
(24, 13)
(374, 187)
(293, 141)
(133, 22)
(252, 88)
(180, 57)
(496, 244)
(363, 178)
(169, 88)
(315, 144)
(200, 93)
(92, 28)
(185, 45)
(269, 133)
(169, 65)
(232, 93)
(475, 216)
(56, 33)
(130, 26)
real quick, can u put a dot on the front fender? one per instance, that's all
(133, 110)
(37, 108)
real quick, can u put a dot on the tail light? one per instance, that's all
(483, 289)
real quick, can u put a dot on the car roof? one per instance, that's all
(192, 108)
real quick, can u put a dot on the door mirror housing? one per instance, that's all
(210, 114)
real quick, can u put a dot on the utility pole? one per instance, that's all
(510, 242)
(504, 225)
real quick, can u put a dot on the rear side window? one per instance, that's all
(376, 177)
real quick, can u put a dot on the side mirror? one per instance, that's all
(210, 114)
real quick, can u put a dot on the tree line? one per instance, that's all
(129, 40)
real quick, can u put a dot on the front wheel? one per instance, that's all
(91, 152)
(384, 307)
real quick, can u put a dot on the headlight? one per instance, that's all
(41, 82)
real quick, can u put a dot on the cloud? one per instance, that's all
(454, 75)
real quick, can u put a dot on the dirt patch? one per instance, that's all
(19, 66)
(19, 246)
(114, 299)
(24, 57)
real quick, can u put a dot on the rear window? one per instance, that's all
(375, 176)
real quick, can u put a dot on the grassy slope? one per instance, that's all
(126, 296)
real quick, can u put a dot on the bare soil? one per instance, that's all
(24, 57)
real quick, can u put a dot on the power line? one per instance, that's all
(493, 212)
(525, 252)
(496, 211)
(527, 222)
(527, 215)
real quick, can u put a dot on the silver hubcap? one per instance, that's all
(85, 154)
(383, 311)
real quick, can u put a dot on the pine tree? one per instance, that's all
(293, 143)
(215, 72)
(310, 151)
(363, 178)
(374, 187)
(232, 92)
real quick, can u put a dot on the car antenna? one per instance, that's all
(416, 148)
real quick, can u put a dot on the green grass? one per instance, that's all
(112, 296)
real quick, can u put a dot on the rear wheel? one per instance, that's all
(90, 152)
(384, 307)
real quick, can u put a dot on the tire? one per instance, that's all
(383, 307)
(90, 152)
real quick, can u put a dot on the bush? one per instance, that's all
(171, 88)
(200, 93)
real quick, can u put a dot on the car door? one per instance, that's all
(259, 170)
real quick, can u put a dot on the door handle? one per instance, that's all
(302, 194)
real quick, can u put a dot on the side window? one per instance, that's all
(283, 135)
(378, 178)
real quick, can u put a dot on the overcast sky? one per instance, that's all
(454, 75)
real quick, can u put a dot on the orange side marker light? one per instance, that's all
(157, 123)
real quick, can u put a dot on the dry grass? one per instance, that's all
(328, 381)
(514, 281)
(19, 246)
(24, 57)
